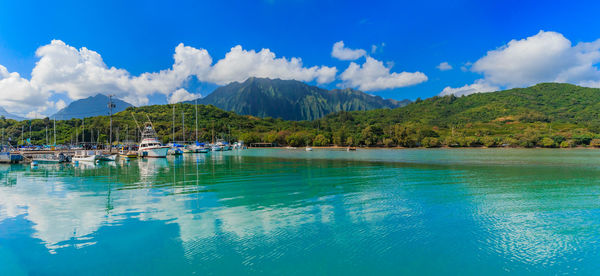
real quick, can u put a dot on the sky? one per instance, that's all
(155, 52)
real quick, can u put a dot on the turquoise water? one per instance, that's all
(291, 212)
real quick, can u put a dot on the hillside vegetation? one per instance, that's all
(545, 115)
(291, 100)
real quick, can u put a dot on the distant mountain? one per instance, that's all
(291, 100)
(7, 115)
(89, 107)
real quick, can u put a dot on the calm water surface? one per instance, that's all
(288, 212)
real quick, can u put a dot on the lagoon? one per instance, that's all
(292, 212)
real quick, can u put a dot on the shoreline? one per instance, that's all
(425, 148)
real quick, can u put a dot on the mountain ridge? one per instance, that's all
(89, 107)
(291, 99)
(8, 115)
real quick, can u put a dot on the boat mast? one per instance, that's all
(173, 124)
(54, 131)
(183, 126)
(196, 119)
(111, 105)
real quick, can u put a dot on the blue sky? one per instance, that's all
(411, 36)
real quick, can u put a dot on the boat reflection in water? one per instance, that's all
(151, 167)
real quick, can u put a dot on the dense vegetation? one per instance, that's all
(291, 100)
(545, 115)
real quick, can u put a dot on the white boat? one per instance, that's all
(5, 157)
(51, 158)
(215, 148)
(308, 149)
(150, 146)
(175, 151)
(85, 156)
(203, 150)
(107, 157)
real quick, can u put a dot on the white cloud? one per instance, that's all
(444, 66)
(83, 73)
(60, 104)
(340, 52)
(80, 73)
(181, 95)
(373, 48)
(373, 75)
(240, 64)
(377, 48)
(543, 57)
(479, 86)
(18, 95)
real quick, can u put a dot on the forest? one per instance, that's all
(544, 115)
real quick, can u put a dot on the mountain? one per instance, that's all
(291, 100)
(7, 115)
(90, 107)
(544, 115)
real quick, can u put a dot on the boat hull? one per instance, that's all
(91, 158)
(108, 157)
(157, 152)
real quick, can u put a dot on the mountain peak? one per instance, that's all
(7, 115)
(91, 106)
(291, 99)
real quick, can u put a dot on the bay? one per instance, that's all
(292, 212)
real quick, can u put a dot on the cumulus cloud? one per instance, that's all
(181, 95)
(83, 73)
(444, 66)
(543, 57)
(340, 52)
(60, 104)
(18, 94)
(240, 64)
(80, 73)
(373, 75)
(479, 86)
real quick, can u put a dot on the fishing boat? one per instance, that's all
(238, 145)
(175, 151)
(150, 146)
(107, 157)
(8, 155)
(51, 158)
(85, 156)
(128, 152)
(189, 149)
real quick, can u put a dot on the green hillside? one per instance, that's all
(521, 117)
(545, 115)
(291, 100)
